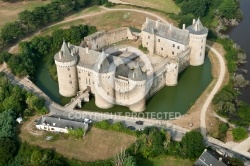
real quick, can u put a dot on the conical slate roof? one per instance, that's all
(197, 28)
(102, 65)
(64, 54)
(137, 74)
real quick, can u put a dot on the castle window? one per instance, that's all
(70, 82)
(161, 48)
(159, 40)
(79, 78)
(68, 69)
(201, 47)
(173, 45)
(178, 47)
(173, 52)
(147, 43)
(88, 74)
(70, 75)
(148, 37)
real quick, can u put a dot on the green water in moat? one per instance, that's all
(192, 82)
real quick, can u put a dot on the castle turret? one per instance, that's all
(172, 72)
(65, 61)
(104, 73)
(137, 89)
(197, 42)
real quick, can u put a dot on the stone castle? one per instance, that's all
(126, 76)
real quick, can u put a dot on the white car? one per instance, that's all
(86, 120)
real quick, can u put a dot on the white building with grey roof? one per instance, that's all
(126, 76)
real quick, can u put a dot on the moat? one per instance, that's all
(192, 82)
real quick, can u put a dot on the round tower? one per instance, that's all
(197, 42)
(104, 73)
(137, 89)
(172, 72)
(66, 61)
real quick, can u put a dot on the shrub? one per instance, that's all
(77, 133)
(239, 133)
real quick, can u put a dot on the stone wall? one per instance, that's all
(104, 86)
(86, 79)
(100, 39)
(137, 95)
(198, 47)
(67, 78)
(122, 91)
(161, 46)
(172, 72)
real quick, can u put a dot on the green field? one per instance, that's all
(9, 11)
(168, 6)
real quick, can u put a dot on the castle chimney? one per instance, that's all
(196, 27)
(184, 26)
(193, 21)
(220, 159)
(72, 54)
(60, 54)
(146, 19)
(87, 50)
(157, 24)
(170, 27)
(59, 118)
(68, 44)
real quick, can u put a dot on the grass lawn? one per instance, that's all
(107, 21)
(168, 6)
(170, 161)
(9, 11)
(97, 145)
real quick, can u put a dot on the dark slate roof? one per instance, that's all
(122, 70)
(197, 28)
(102, 64)
(207, 159)
(167, 31)
(66, 55)
(61, 122)
(137, 74)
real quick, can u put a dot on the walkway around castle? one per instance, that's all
(177, 131)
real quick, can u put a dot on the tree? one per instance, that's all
(228, 9)
(239, 133)
(192, 144)
(11, 32)
(7, 150)
(196, 7)
(7, 124)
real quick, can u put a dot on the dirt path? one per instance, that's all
(105, 10)
(214, 91)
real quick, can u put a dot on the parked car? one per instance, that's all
(131, 127)
(139, 122)
(141, 129)
(86, 120)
